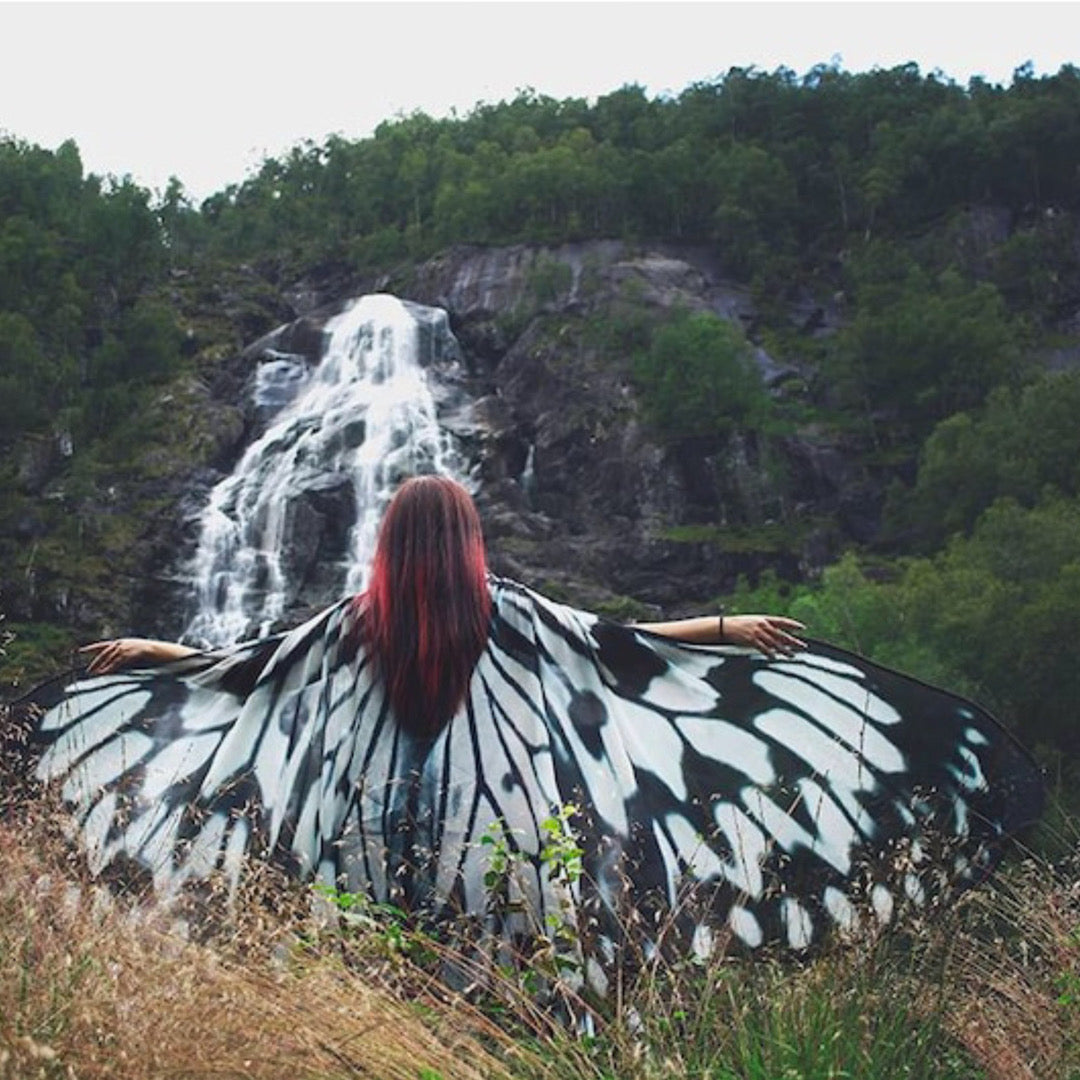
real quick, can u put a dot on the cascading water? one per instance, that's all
(362, 420)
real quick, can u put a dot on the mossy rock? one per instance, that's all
(623, 609)
(35, 652)
(773, 538)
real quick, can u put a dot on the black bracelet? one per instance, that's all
(721, 618)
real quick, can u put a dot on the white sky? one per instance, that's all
(206, 90)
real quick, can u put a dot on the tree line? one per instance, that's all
(80, 329)
(943, 217)
(783, 174)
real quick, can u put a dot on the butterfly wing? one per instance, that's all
(747, 792)
(765, 794)
(183, 768)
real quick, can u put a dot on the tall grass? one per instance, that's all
(95, 983)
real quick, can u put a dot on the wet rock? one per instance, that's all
(318, 522)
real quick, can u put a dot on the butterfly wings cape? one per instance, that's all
(592, 767)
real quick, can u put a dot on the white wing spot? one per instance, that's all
(843, 720)
(913, 889)
(729, 745)
(851, 691)
(961, 811)
(177, 761)
(797, 922)
(703, 943)
(835, 834)
(971, 778)
(91, 694)
(702, 862)
(745, 926)
(96, 828)
(105, 765)
(748, 848)
(881, 900)
(841, 909)
(825, 663)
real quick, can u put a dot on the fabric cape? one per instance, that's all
(705, 788)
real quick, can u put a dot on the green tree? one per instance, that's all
(180, 222)
(699, 379)
(755, 198)
(994, 616)
(146, 348)
(123, 242)
(920, 348)
(29, 383)
(1022, 444)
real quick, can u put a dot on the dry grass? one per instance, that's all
(987, 988)
(1016, 976)
(96, 983)
(94, 986)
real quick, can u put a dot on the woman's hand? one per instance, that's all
(768, 633)
(107, 656)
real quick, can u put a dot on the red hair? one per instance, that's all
(424, 617)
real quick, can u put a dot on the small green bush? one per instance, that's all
(698, 379)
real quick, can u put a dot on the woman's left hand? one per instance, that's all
(768, 633)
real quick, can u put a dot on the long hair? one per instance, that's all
(424, 616)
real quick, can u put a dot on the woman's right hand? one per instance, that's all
(108, 656)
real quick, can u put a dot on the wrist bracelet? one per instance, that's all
(721, 628)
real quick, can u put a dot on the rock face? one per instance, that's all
(577, 493)
(317, 527)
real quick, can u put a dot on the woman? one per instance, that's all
(398, 739)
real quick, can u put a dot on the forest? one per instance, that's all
(940, 222)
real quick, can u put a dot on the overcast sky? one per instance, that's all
(205, 90)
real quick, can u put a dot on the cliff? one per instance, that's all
(579, 494)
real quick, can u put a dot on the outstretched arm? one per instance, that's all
(106, 656)
(769, 633)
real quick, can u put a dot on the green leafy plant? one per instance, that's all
(698, 379)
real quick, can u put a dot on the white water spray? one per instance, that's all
(364, 419)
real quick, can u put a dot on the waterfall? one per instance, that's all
(300, 511)
(528, 476)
